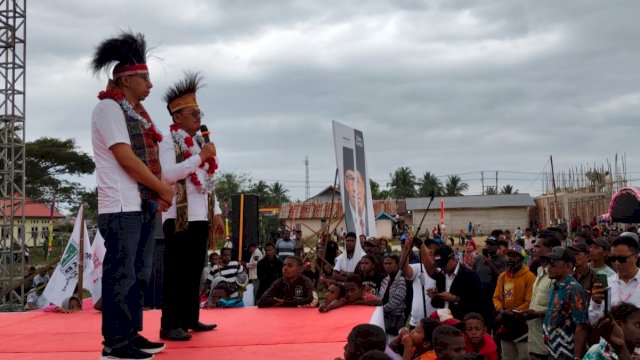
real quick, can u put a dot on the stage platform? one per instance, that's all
(248, 333)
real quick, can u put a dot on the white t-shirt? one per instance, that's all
(252, 265)
(417, 311)
(172, 172)
(117, 191)
(345, 264)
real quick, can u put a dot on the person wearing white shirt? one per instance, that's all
(347, 261)
(189, 161)
(130, 191)
(625, 285)
(423, 284)
(252, 267)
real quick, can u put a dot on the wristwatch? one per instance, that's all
(457, 300)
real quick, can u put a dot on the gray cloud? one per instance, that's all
(441, 86)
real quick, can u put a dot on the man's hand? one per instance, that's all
(208, 151)
(278, 301)
(432, 292)
(165, 192)
(446, 296)
(162, 206)
(218, 227)
(531, 314)
(597, 293)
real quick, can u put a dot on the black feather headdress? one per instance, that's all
(124, 51)
(183, 93)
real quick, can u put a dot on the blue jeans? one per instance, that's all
(126, 271)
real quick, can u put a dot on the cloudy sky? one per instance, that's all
(451, 87)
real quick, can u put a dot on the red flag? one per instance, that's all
(441, 211)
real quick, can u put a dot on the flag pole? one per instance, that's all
(81, 256)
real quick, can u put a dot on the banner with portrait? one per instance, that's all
(355, 190)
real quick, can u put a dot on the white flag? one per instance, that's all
(65, 277)
(92, 277)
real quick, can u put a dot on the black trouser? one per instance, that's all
(184, 255)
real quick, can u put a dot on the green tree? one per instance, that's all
(429, 183)
(490, 190)
(49, 163)
(455, 186)
(228, 183)
(261, 188)
(376, 193)
(508, 189)
(403, 183)
(278, 193)
(89, 197)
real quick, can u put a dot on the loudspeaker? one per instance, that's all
(153, 291)
(249, 222)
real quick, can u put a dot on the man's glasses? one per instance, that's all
(620, 259)
(194, 113)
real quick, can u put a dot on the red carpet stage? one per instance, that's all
(248, 333)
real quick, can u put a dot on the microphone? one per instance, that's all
(431, 193)
(205, 133)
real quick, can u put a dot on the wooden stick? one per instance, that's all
(81, 256)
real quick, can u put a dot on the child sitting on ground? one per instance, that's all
(448, 342)
(335, 292)
(220, 297)
(417, 343)
(355, 295)
(476, 338)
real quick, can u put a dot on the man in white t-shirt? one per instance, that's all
(347, 261)
(252, 267)
(125, 147)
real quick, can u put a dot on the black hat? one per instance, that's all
(602, 242)
(560, 253)
(579, 248)
(491, 241)
(443, 255)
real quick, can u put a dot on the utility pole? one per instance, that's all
(307, 194)
(482, 179)
(496, 181)
(555, 194)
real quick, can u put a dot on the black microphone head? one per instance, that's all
(203, 128)
(432, 194)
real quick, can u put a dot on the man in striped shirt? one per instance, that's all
(231, 271)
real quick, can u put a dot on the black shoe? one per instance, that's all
(127, 352)
(198, 327)
(141, 343)
(174, 335)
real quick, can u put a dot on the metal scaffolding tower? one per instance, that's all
(12, 151)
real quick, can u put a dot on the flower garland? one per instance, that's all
(143, 119)
(185, 142)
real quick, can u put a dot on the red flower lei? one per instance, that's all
(188, 141)
(139, 114)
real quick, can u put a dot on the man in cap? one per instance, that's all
(583, 274)
(511, 297)
(458, 288)
(125, 146)
(599, 250)
(566, 320)
(189, 161)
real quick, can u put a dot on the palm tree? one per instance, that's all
(429, 183)
(261, 188)
(454, 186)
(490, 190)
(508, 189)
(278, 193)
(402, 183)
